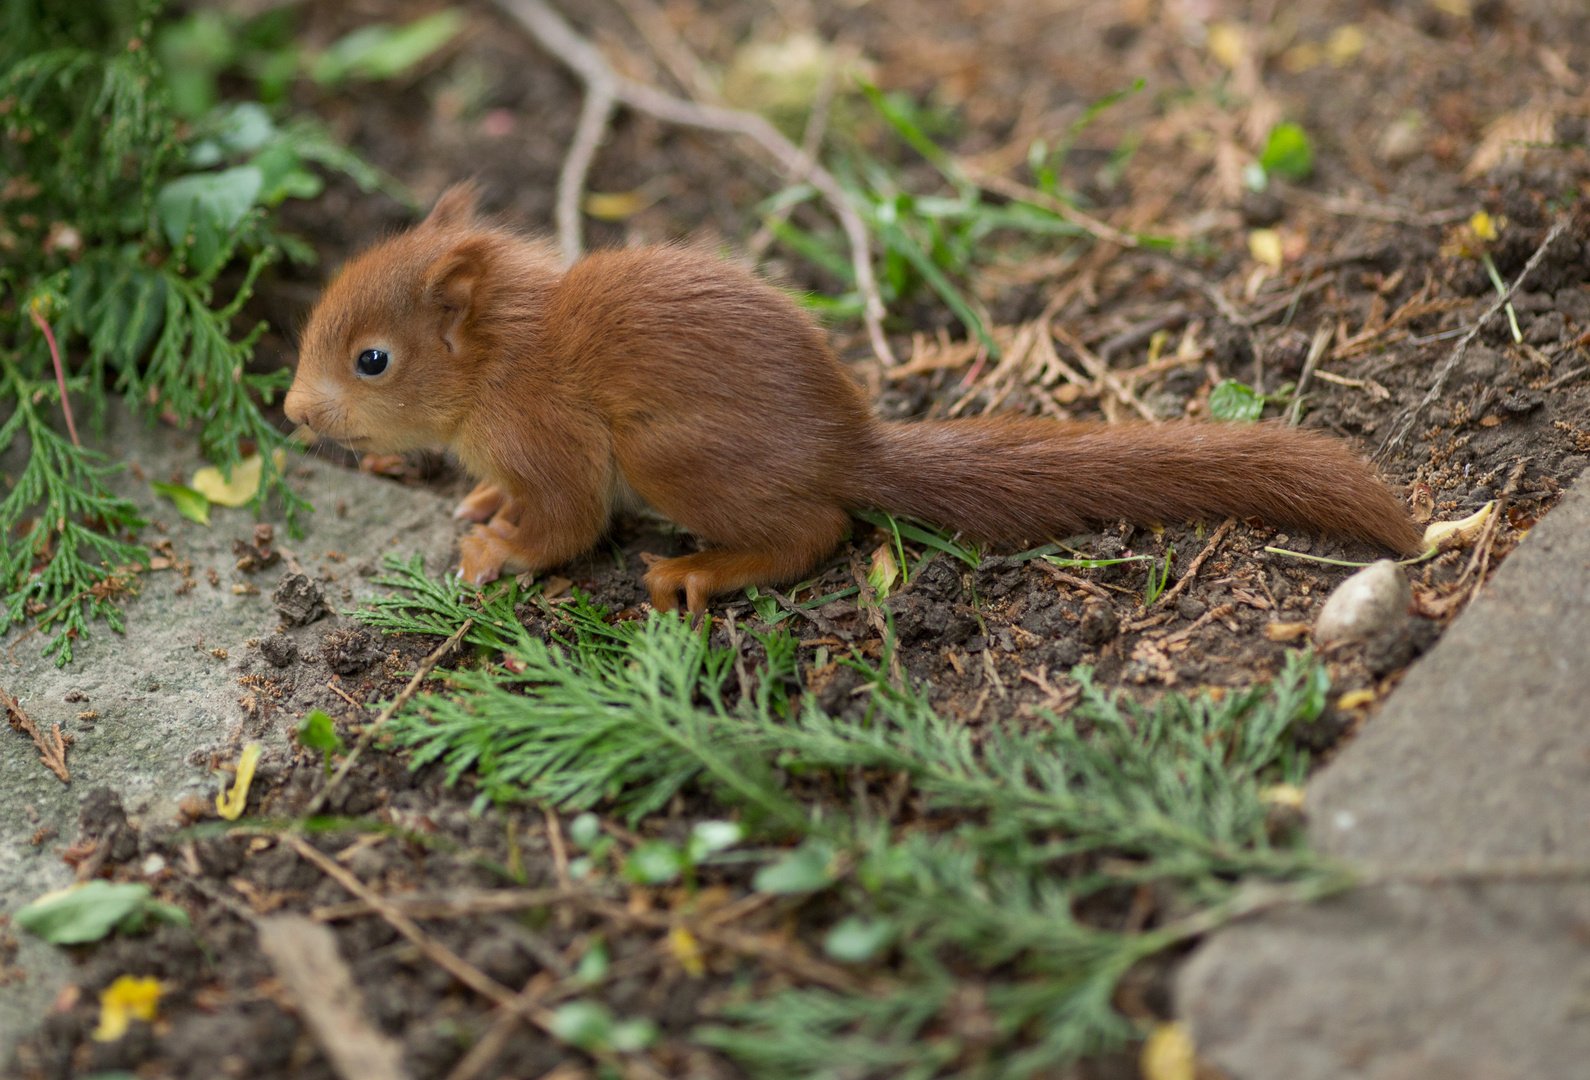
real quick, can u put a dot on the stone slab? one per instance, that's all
(1480, 761)
(164, 699)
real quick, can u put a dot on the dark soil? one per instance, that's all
(994, 643)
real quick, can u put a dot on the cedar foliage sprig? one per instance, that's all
(980, 890)
(116, 227)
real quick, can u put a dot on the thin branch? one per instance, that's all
(1102, 375)
(1410, 417)
(676, 56)
(369, 733)
(560, 40)
(1167, 597)
(595, 112)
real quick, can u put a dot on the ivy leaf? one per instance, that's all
(190, 504)
(1232, 400)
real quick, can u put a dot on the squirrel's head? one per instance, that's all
(389, 356)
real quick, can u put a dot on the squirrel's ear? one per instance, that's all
(452, 284)
(455, 207)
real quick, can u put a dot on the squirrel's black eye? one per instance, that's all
(372, 362)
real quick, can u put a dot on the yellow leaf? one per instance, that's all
(685, 949)
(123, 1001)
(1457, 532)
(1458, 9)
(1287, 795)
(616, 205)
(230, 805)
(244, 484)
(1168, 1054)
(1354, 699)
(1265, 247)
(1228, 43)
(1345, 43)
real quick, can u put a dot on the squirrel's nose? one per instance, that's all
(296, 404)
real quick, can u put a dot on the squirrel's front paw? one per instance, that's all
(482, 556)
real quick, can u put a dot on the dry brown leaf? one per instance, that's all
(1509, 137)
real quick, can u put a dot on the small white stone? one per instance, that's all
(1344, 820)
(153, 864)
(1368, 604)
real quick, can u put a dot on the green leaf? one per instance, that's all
(855, 940)
(190, 504)
(1288, 152)
(585, 830)
(316, 732)
(654, 863)
(1232, 400)
(585, 1024)
(593, 965)
(806, 869)
(633, 1036)
(711, 837)
(382, 52)
(246, 128)
(202, 209)
(89, 911)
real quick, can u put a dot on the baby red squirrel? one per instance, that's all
(669, 377)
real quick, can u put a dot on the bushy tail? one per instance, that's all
(1015, 480)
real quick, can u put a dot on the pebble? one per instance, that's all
(1366, 605)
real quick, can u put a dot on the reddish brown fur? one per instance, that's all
(680, 378)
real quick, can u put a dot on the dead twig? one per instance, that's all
(1071, 579)
(304, 955)
(1102, 375)
(596, 111)
(676, 56)
(559, 39)
(369, 733)
(52, 751)
(1169, 595)
(1410, 416)
(445, 958)
(463, 904)
(1344, 207)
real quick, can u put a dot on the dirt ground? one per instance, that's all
(1418, 122)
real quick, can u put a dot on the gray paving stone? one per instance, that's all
(164, 700)
(1480, 760)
